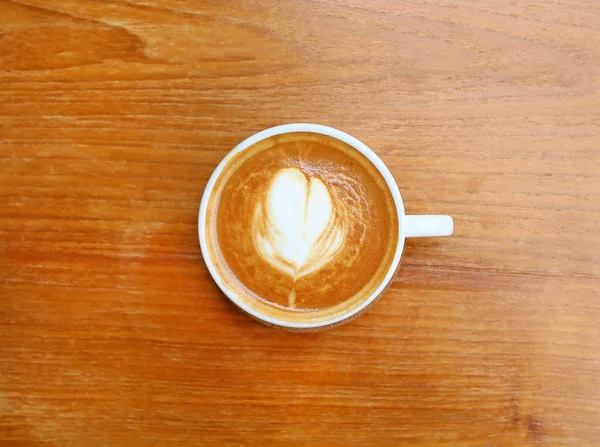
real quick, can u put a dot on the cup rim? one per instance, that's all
(311, 128)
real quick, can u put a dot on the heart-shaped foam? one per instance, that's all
(295, 227)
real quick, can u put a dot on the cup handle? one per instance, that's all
(428, 226)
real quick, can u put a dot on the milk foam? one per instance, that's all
(295, 228)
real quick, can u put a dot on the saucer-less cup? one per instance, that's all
(409, 226)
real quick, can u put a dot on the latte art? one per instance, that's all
(295, 228)
(302, 226)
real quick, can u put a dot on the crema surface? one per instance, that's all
(302, 226)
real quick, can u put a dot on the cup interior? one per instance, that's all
(319, 129)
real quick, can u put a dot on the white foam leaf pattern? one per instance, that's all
(295, 227)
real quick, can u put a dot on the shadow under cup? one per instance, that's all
(300, 226)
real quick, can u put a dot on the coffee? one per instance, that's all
(301, 227)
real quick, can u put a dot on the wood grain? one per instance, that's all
(114, 113)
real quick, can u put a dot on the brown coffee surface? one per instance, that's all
(302, 226)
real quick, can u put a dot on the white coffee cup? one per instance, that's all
(409, 226)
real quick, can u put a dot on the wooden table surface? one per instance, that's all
(113, 114)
